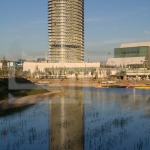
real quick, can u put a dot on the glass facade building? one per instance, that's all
(66, 31)
(142, 51)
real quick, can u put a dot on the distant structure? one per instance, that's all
(131, 53)
(66, 31)
(135, 44)
(126, 62)
(141, 49)
(10, 63)
(76, 67)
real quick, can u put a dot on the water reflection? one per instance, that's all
(113, 120)
(67, 126)
(84, 119)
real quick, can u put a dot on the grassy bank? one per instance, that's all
(18, 87)
(14, 110)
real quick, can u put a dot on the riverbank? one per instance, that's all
(29, 100)
(91, 83)
(55, 91)
(18, 92)
(18, 87)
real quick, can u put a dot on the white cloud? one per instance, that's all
(20, 26)
(146, 32)
(144, 8)
(112, 17)
(112, 42)
(32, 24)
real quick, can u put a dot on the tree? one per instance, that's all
(92, 73)
(108, 72)
(96, 76)
(64, 70)
(18, 71)
(36, 68)
(53, 72)
(60, 73)
(77, 75)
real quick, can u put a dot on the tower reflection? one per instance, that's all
(66, 123)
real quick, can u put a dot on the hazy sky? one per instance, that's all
(108, 23)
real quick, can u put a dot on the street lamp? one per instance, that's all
(88, 51)
(144, 65)
(46, 56)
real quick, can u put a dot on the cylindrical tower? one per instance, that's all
(66, 30)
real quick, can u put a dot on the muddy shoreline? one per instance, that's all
(55, 93)
(29, 100)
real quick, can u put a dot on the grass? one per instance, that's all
(14, 110)
(18, 87)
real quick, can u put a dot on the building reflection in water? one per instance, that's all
(66, 122)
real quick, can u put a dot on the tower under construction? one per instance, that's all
(66, 31)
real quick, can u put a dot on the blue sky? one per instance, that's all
(108, 23)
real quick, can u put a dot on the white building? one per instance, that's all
(135, 44)
(131, 54)
(33, 66)
(127, 61)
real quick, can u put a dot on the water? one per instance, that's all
(84, 119)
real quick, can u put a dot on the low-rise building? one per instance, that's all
(131, 54)
(131, 50)
(126, 62)
(55, 70)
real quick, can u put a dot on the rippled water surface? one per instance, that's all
(84, 119)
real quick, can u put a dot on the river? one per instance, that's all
(84, 119)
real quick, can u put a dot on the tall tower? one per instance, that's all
(66, 31)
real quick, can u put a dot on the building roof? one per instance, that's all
(125, 61)
(135, 44)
